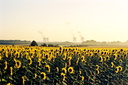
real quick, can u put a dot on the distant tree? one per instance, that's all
(115, 42)
(34, 43)
(56, 45)
(44, 45)
(104, 42)
(90, 41)
(50, 45)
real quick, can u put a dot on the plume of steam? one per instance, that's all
(45, 39)
(82, 38)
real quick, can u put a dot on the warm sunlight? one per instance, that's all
(101, 20)
(63, 42)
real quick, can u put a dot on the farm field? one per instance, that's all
(27, 65)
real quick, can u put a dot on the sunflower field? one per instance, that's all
(27, 65)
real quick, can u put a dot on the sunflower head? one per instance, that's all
(117, 69)
(57, 69)
(63, 75)
(77, 61)
(17, 54)
(23, 79)
(80, 72)
(35, 75)
(43, 75)
(83, 59)
(71, 70)
(6, 54)
(115, 56)
(97, 71)
(18, 64)
(70, 58)
(47, 57)
(11, 72)
(0, 57)
(120, 68)
(104, 59)
(120, 61)
(47, 67)
(101, 59)
(107, 57)
(112, 64)
(64, 56)
(82, 78)
(30, 61)
(6, 65)
(64, 70)
(97, 66)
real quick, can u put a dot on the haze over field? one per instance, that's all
(60, 20)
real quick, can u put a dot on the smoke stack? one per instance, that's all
(74, 39)
(82, 39)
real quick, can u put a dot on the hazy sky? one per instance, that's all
(59, 20)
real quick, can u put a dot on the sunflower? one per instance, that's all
(30, 61)
(117, 69)
(6, 66)
(97, 70)
(64, 56)
(80, 72)
(77, 61)
(0, 57)
(83, 59)
(17, 63)
(107, 57)
(6, 54)
(39, 61)
(91, 54)
(63, 75)
(112, 64)
(104, 59)
(69, 58)
(47, 67)
(69, 62)
(23, 79)
(71, 70)
(120, 68)
(57, 69)
(64, 70)
(82, 78)
(120, 61)
(43, 75)
(35, 75)
(115, 56)
(11, 73)
(97, 67)
(17, 54)
(48, 57)
(101, 59)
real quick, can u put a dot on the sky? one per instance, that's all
(61, 20)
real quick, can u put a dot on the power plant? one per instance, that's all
(45, 39)
(75, 38)
(81, 37)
